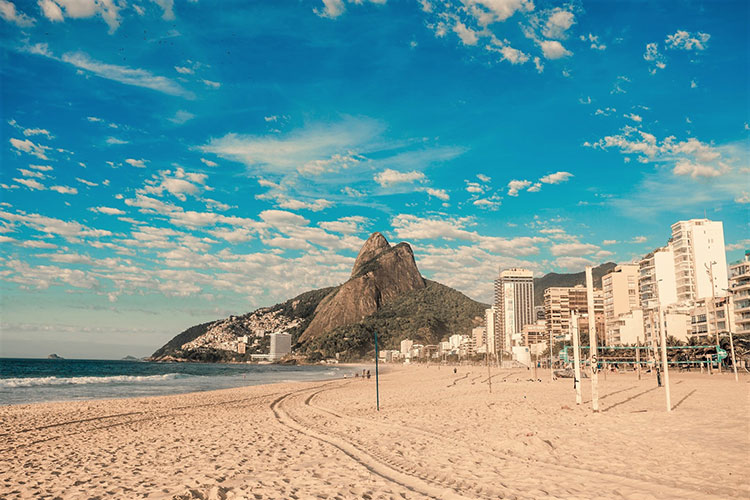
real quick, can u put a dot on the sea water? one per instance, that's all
(37, 380)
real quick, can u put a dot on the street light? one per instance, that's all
(727, 320)
(710, 271)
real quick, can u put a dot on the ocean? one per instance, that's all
(38, 380)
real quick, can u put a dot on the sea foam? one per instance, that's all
(117, 379)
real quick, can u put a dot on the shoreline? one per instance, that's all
(176, 390)
(438, 434)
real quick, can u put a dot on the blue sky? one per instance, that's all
(169, 163)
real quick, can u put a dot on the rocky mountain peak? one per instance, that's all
(374, 246)
(381, 273)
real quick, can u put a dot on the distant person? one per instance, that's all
(368, 374)
(455, 370)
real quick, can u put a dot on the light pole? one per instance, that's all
(710, 271)
(728, 313)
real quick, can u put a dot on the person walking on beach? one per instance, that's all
(368, 374)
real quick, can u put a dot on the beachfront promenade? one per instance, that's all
(438, 435)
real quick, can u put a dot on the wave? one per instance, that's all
(115, 379)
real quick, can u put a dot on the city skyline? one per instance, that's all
(166, 166)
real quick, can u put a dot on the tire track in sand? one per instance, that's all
(376, 465)
(676, 489)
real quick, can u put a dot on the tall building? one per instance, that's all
(699, 259)
(559, 302)
(489, 325)
(739, 285)
(620, 290)
(281, 345)
(657, 287)
(514, 304)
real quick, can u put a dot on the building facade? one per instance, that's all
(514, 304)
(559, 302)
(739, 286)
(281, 345)
(620, 292)
(700, 259)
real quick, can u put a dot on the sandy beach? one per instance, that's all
(438, 435)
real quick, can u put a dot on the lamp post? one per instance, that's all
(728, 313)
(710, 271)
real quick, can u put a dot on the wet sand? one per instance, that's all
(438, 435)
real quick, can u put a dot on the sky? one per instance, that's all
(167, 163)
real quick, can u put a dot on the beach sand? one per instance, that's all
(438, 435)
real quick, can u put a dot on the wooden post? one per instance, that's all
(377, 380)
(664, 361)
(489, 372)
(593, 353)
(551, 371)
(638, 357)
(576, 356)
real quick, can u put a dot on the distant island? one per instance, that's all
(130, 358)
(54, 356)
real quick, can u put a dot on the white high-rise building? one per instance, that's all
(620, 290)
(657, 286)
(700, 259)
(406, 346)
(489, 325)
(514, 304)
(740, 286)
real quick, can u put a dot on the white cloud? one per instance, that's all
(486, 12)
(27, 146)
(556, 178)
(743, 199)
(639, 239)
(412, 227)
(609, 242)
(128, 76)
(331, 9)
(515, 186)
(466, 34)
(115, 140)
(88, 183)
(181, 116)
(334, 163)
(653, 56)
(538, 64)
(31, 184)
(286, 154)
(209, 163)
(634, 117)
(184, 70)
(437, 193)
(42, 168)
(552, 49)
(573, 249)
(211, 84)
(390, 177)
(64, 189)
(484, 178)
(136, 163)
(558, 23)
(107, 210)
(696, 170)
(31, 173)
(687, 41)
(513, 56)
(57, 10)
(9, 13)
(178, 183)
(594, 39)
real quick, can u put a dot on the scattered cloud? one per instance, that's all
(390, 177)
(181, 116)
(685, 40)
(9, 13)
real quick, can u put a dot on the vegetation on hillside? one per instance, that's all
(427, 316)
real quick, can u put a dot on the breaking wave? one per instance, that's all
(117, 379)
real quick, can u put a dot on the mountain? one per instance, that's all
(381, 274)
(385, 294)
(567, 280)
